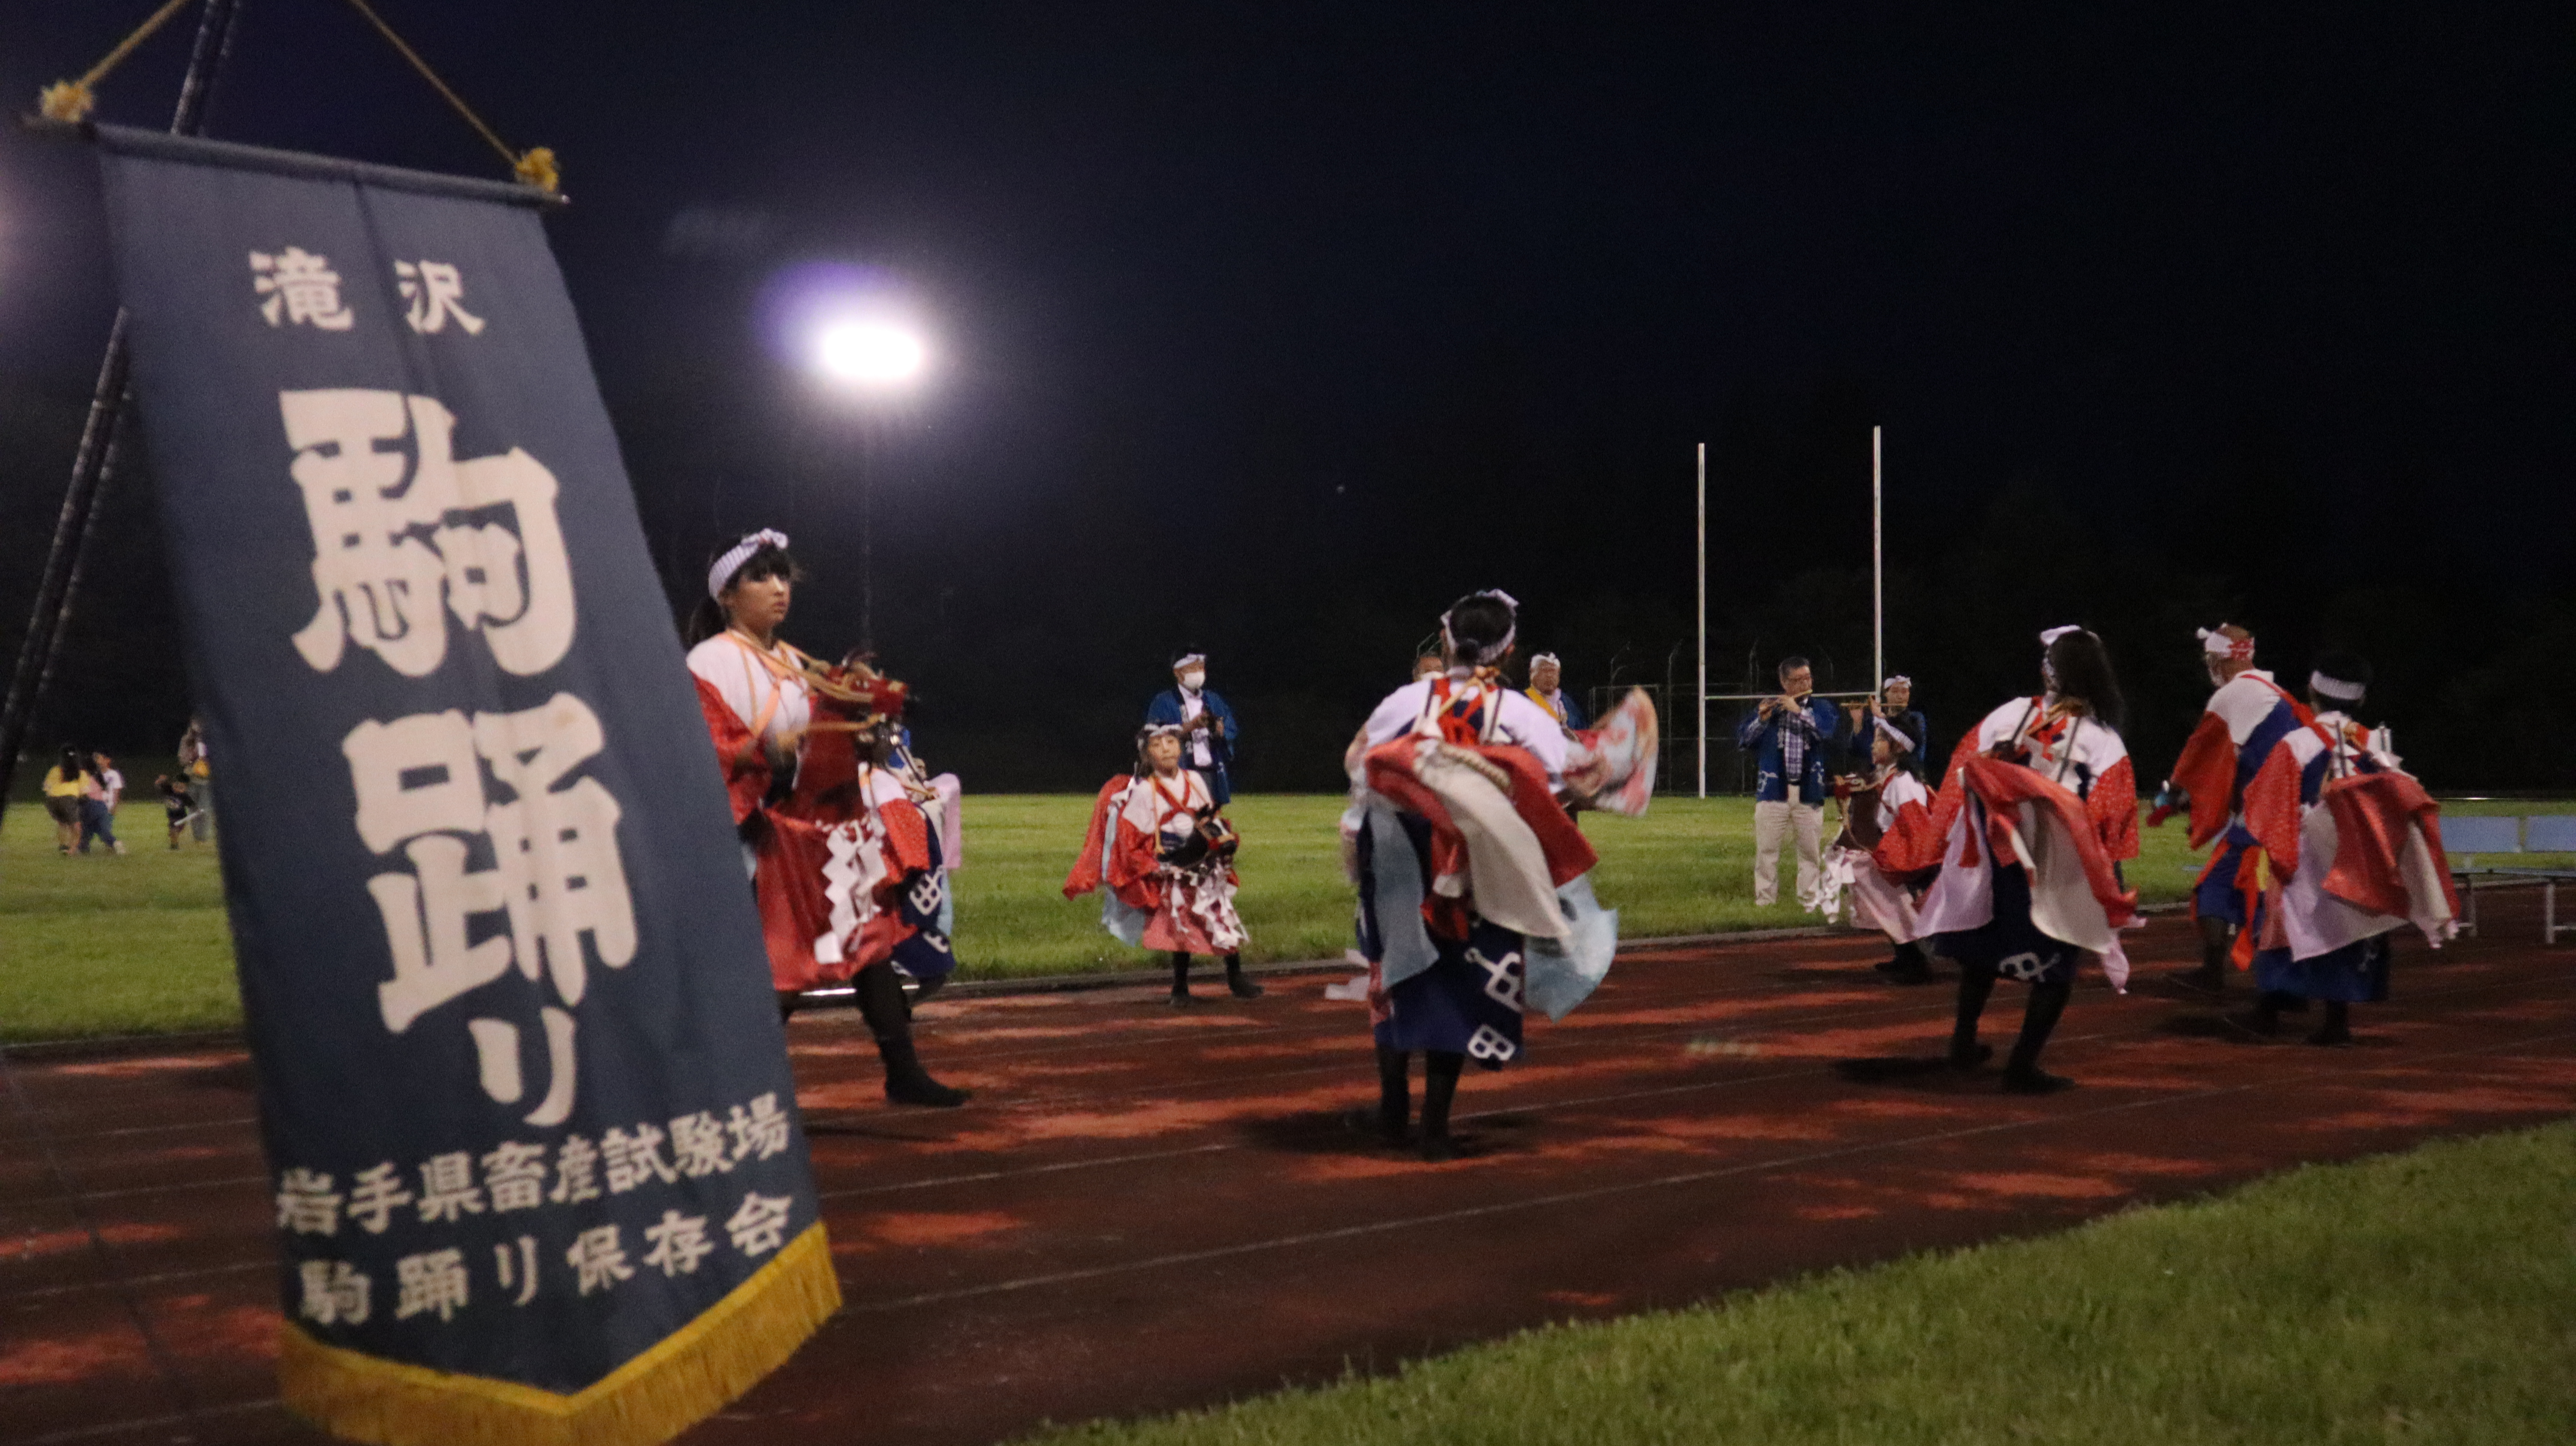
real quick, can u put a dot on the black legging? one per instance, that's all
(2038, 1020)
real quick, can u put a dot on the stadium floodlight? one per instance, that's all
(869, 353)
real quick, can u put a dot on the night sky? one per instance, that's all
(1271, 329)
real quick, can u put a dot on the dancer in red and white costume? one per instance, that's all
(2240, 783)
(2037, 808)
(844, 861)
(1167, 855)
(1887, 816)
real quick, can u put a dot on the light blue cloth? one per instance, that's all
(1563, 975)
(1558, 977)
(1403, 939)
(1124, 921)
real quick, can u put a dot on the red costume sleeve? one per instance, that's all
(1086, 868)
(2207, 771)
(1569, 854)
(1953, 794)
(907, 839)
(1912, 844)
(745, 783)
(1133, 856)
(2272, 809)
(789, 890)
(2113, 805)
(2372, 813)
(2006, 786)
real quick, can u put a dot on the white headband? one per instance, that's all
(1185, 659)
(2216, 644)
(2340, 689)
(1487, 654)
(738, 554)
(1895, 680)
(2053, 634)
(1892, 731)
(1550, 659)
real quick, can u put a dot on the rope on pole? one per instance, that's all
(73, 100)
(535, 166)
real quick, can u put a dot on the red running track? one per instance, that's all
(1146, 1210)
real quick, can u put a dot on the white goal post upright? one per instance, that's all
(1703, 620)
(1877, 595)
(1877, 574)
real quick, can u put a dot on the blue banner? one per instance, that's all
(538, 1169)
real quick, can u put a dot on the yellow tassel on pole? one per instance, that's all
(688, 1376)
(71, 101)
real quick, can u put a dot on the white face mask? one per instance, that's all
(1194, 680)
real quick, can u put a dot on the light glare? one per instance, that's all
(869, 353)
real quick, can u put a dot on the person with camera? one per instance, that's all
(1791, 735)
(1208, 729)
(1159, 842)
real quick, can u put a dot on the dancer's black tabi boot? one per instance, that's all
(2022, 1074)
(2265, 1017)
(1394, 1096)
(1975, 985)
(1235, 983)
(2336, 1031)
(1910, 966)
(2212, 973)
(881, 1005)
(1439, 1087)
(1180, 980)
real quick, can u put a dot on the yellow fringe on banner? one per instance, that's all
(682, 1380)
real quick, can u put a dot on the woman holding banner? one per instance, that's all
(847, 864)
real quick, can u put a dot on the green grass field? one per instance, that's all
(105, 945)
(2428, 1297)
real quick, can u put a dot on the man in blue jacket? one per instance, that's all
(1792, 737)
(1207, 725)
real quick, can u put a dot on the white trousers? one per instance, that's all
(1770, 822)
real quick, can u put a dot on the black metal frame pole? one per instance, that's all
(95, 462)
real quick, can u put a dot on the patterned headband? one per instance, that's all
(738, 554)
(2217, 644)
(1493, 651)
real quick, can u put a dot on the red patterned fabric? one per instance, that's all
(1569, 854)
(1086, 867)
(2005, 787)
(745, 783)
(2207, 772)
(2272, 808)
(2373, 813)
(1912, 844)
(792, 912)
(907, 841)
(1134, 860)
(2112, 804)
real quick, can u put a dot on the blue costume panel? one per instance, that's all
(2357, 973)
(1470, 998)
(2009, 944)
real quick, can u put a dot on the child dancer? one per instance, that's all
(1881, 857)
(1167, 855)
